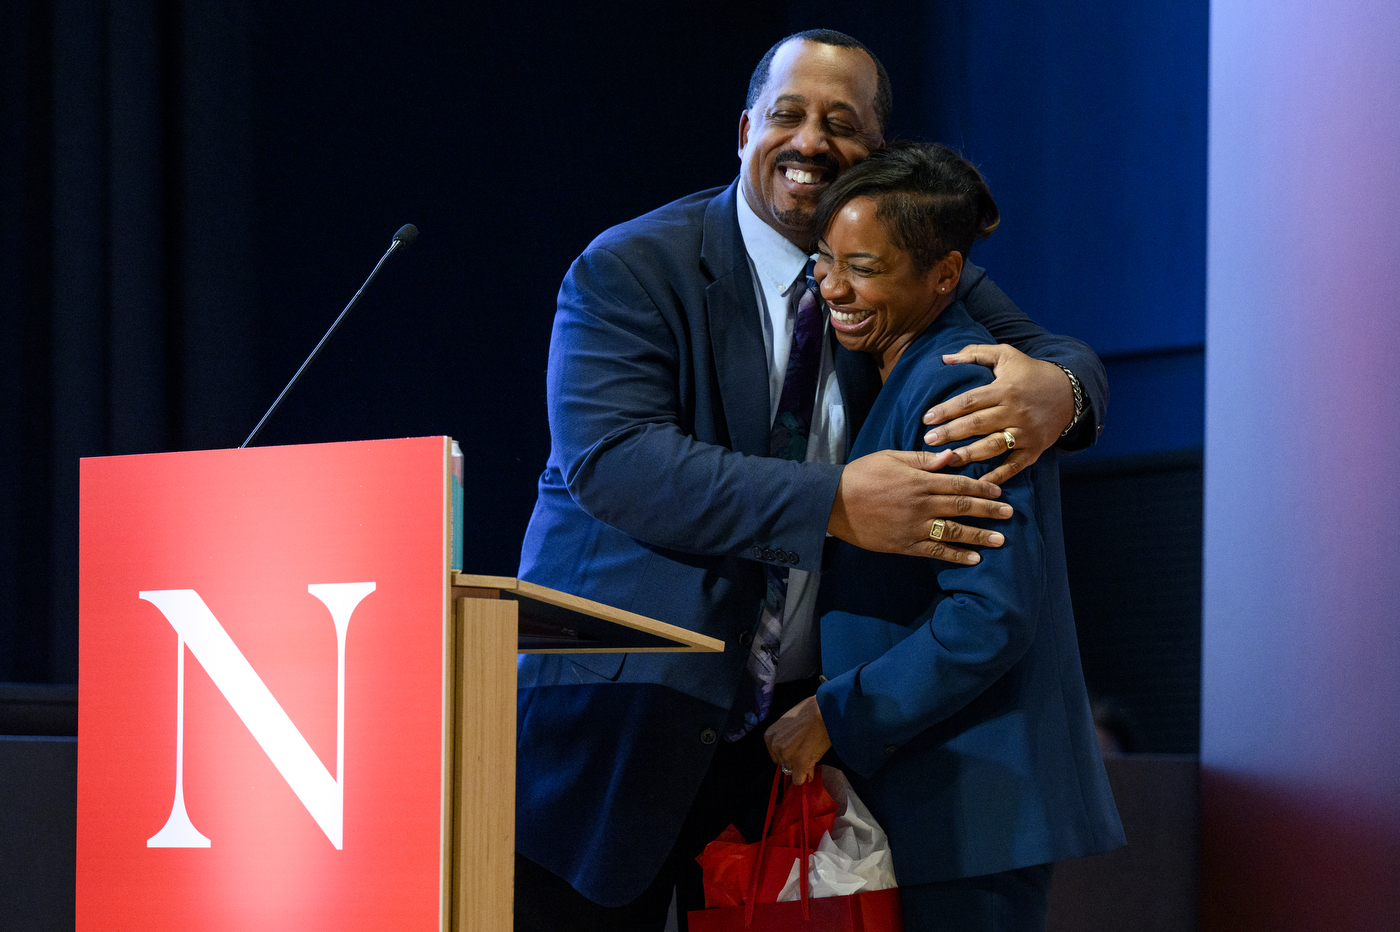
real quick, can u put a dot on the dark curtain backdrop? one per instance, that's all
(192, 190)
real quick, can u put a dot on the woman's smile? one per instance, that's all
(878, 299)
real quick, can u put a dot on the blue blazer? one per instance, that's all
(955, 698)
(658, 498)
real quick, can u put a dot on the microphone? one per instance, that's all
(402, 240)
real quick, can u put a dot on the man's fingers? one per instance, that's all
(887, 502)
(939, 483)
(973, 399)
(975, 424)
(981, 354)
(1014, 464)
(934, 462)
(945, 532)
(953, 494)
(965, 506)
(926, 460)
(994, 444)
(941, 551)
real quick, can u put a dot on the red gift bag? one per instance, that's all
(868, 911)
(742, 881)
(728, 863)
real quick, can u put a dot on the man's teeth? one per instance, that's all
(800, 177)
(853, 317)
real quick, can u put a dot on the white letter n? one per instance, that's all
(198, 629)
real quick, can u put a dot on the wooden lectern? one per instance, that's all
(293, 713)
(495, 616)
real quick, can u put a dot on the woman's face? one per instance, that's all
(878, 301)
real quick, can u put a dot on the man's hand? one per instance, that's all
(798, 740)
(888, 501)
(1029, 397)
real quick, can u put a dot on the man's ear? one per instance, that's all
(743, 132)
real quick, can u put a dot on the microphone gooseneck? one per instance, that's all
(402, 239)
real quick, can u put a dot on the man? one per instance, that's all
(661, 496)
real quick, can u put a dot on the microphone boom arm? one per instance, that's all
(403, 237)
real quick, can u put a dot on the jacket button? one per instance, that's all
(758, 553)
(767, 553)
(891, 748)
(746, 639)
(821, 678)
(792, 557)
(708, 736)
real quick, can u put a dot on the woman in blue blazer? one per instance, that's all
(954, 696)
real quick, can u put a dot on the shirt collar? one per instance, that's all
(777, 261)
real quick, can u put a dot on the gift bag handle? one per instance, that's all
(806, 846)
(779, 779)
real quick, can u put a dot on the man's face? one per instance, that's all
(814, 119)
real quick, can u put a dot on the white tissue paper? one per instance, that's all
(853, 857)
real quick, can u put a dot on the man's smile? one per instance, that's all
(807, 172)
(802, 177)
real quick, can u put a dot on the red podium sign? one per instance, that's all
(264, 689)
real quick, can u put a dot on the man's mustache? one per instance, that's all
(820, 160)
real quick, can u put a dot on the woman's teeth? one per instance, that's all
(854, 317)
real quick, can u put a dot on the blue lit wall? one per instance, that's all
(1089, 121)
(1088, 118)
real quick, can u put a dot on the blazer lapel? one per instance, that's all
(736, 333)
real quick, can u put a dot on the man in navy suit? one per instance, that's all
(666, 362)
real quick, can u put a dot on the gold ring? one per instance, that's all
(936, 531)
(1010, 440)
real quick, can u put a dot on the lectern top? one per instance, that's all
(557, 622)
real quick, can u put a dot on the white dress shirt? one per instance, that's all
(776, 266)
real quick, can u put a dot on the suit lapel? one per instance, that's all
(736, 333)
(859, 379)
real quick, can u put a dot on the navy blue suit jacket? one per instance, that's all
(955, 698)
(657, 499)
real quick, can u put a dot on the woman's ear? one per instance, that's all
(946, 272)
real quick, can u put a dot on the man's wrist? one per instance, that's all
(1078, 401)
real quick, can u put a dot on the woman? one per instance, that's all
(955, 699)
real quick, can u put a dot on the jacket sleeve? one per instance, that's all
(964, 643)
(622, 370)
(989, 306)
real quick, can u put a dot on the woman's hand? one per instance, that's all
(798, 740)
(1030, 398)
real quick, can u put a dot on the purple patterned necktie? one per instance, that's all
(788, 440)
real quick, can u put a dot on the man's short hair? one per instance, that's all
(930, 200)
(884, 97)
